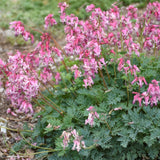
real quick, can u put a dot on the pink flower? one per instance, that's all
(112, 51)
(26, 107)
(77, 74)
(129, 63)
(101, 63)
(121, 64)
(90, 108)
(49, 20)
(137, 98)
(45, 75)
(77, 140)
(66, 140)
(90, 119)
(76, 145)
(126, 69)
(132, 12)
(58, 52)
(63, 7)
(153, 100)
(26, 36)
(49, 126)
(57, 77)
(34, 144)
(91, 116)
(74, 68)
(146, 98)
(71, 20)
(88, 82)
(140, 79)
(90, 8)
(9, 110)
(154, 89)
(19, 29)
(134, 70)
(119, 108)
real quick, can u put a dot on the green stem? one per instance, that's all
(115, 72)
(44, 98)
(51, 149)
(45, 87)
(58, 46)
(15, 130)
(107, 72)
(34, 100)
(7, 145)
(4, 74)
(91, 147)
(127, 96)
(108, 126)
(155, 50)
(104, 83)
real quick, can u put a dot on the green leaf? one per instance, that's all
(18, 146)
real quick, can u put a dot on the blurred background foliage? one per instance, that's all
(33, 12)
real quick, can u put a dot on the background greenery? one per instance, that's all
(32, 12)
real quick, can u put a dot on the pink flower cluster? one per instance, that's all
(85, 38)
(19, 29)
(25, 73)
(140, 80)
(151, 96)
(127, 67)
(63, 7)
(57, 77)
(77, 73)
(49, 20)
(77, 140)
(132, 12)
(92, 115)
(21, 85)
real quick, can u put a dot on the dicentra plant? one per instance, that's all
(99, 94)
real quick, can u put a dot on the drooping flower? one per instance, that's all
(49, 21)
(91, 116)
(90, 8)
(121, 64)
(77, 140)
(138, 98)
(66, 140)
(140, 80)
(57, 77)
(77, 74)
(88, 82)
(26, 107)
(63, 7)
(146, 97)
(132, 12)
(19, 29)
